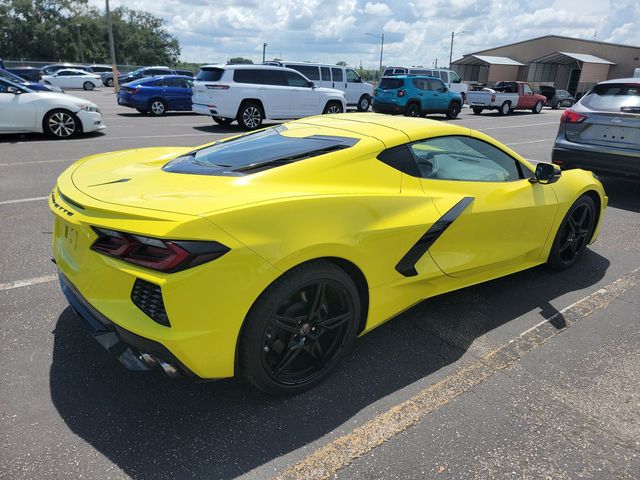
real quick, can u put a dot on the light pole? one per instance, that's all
(264, 51)
(80, 43)
(112, 49)
(381, 37)
(451, 50)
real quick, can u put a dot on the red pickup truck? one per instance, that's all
(506, 97)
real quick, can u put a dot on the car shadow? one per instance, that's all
(153, 428)
(40, 137)
(623, 192)
(135, 114)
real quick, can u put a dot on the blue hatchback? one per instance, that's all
(415, 95)
(157, 95)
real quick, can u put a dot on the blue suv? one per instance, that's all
(415, 95)
(157, 95)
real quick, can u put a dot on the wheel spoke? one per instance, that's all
(286, 360)
(564, 246)
(318, 297)
(317, 354)
(573, 225)
(334, 322)
(583, 217)
(288, 324)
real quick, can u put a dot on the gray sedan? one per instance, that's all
(602, 131)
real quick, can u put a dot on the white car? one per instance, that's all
(252, 93)
(357, 92)
(56, 114)
(72, 78)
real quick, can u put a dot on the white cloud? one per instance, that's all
(377, 9)
(416, 32)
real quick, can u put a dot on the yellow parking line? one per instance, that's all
(341, 452)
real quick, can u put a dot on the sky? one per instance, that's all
(415, 32)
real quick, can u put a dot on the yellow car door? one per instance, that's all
(493, 216)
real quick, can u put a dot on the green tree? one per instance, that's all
(239, 61)
(48, 30)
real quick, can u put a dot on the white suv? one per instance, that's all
(252, 93)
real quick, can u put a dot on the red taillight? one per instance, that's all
(402, 93)
(569, 116)
(217, 87)
(163, 255)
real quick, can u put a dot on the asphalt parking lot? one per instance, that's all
(531, 376)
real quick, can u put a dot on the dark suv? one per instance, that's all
(415, 96)
(556, 98)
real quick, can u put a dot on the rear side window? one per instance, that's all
(420, 83)
(256, 152)
(209, 74)
(391, 83)
(326, 74)
(248, 76)
(274, 77)
(309, 71)
(337, 74)
(614, 97)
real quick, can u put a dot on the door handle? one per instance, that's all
(420, 94)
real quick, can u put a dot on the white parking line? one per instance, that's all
(531, 141)
(21, 200)
(27, 282)
(518, 126)
(37, 161)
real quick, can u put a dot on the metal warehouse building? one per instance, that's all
(568, 63)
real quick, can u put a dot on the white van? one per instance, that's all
(357, 92)
(250, 94)
(449, 77)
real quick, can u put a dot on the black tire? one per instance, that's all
(109, 82)
(61, 124)
(464, 97)
(555, 106)
(412, 110)
(574, 234)
(364, 103)
(505, 108)
(222, 121)
(537, 108)
(313, 310)
(250, 116)
(453, 110)
(157, 107)
(477, 110)
(333, 107)
(88, 86)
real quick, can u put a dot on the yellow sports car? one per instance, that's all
(265, 255)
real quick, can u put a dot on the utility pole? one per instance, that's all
(264, 51)
(381, 37)
(80, 43)
(451, 50)
(112, 49)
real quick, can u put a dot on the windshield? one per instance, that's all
(255, 152)
(11, 77)
(6, 86)
(613, 97)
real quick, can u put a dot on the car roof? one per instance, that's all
(245, 66)
(621, 80)
(413, 76)
(391, 130)
(76, 70)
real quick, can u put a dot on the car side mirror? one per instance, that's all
(546, 173)
(13, 90)
(444, 90)
(312, 85)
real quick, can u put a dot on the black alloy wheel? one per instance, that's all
(413, 110)
(453, 111)
(574, 234)
(299, 329)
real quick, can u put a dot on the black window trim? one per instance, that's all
(521, 167)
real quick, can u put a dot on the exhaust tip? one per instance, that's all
(148, 360)
(169, 369)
